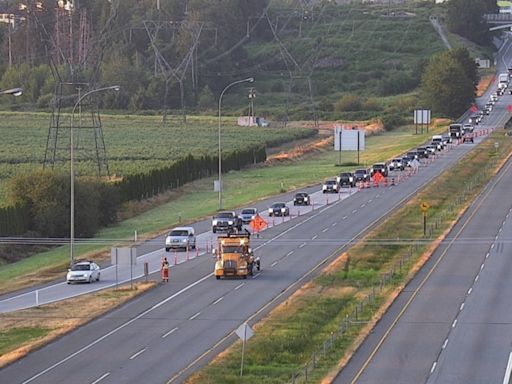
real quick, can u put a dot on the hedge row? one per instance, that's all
(144, 185)
(14, 220)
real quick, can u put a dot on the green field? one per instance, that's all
(134, 144)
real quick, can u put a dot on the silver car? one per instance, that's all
(180, 238)
(248, 214)
(84, 272)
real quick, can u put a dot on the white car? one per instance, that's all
(180, 237)
(84, 271)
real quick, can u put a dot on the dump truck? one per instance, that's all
(234, 256)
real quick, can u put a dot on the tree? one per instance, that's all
(465, 17)
(445, 85)
(206, 99)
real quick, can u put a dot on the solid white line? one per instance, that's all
(101, 378)
(239, 286)
(461, 307)
(274, 263)
(433, 367)
(168, 333)
(314, 237)
(115, 330)
(454, 323)
(193, 317)
(218, 300)
(138, 353)
(508, 371)
(325, 230)
(445, 343)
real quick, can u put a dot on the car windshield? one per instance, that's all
(300, 195)
(361, 172)
(248, 211)
(232, 249)
(179, 232)
(225, 215)
(81, 267)
(346, 174)
(278, 205)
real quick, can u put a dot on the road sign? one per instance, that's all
(424, 207)
(257, 224)
(244, 332)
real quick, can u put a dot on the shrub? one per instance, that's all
(348, 103)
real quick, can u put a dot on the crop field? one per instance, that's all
(134, 144)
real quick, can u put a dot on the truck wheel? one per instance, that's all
(214, 229)
(167, 249)
(245, 276)
(217, 277)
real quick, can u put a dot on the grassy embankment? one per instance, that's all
(285, 340)
(25, 330)
(197, 200)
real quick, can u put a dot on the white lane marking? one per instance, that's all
(170, 332)
(486, 256)
(101, 378)
(194, 316)
(501, 229)
(218, 300)
(256, 275)
(454, 323)
(433, 367)
(239, 286)
(274, 263)
(482, 266)
(354, 211)
(117, 329)
(314, 237)
(334, 224)
(289, 253)
(476, 278)
(363, 205)
(345, 217)
(492, 245)
(377, 195)
(496, 238)
(445, 343)
(508, 371)
(302, 245)
(461, 307)
(470, 290)
(137, 353)
(325, 230)
(370, 200)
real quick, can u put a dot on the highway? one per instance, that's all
(176, 327)
(452, 323)
(172, 330)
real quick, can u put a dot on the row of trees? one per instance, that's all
(40, 201)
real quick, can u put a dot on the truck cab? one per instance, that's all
(234, 256)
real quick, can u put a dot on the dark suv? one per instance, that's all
(226, 221)
(346, 179)
(361, 175)
(382, 168)
(301, 198)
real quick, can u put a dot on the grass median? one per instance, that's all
(198, 200)
(314, 331)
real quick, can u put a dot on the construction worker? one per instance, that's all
(165, 270)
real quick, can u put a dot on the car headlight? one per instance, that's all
(306, 198)
(350, 179)
(214, 222)
(184, 240)
(324, 187)
(230, 222)
(270, 210)
(283, 209)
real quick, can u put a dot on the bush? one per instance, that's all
(348, 103)
(392, 120)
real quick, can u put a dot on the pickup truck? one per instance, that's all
(226, 221)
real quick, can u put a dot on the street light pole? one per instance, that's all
(248, 80)
(13, 91)
(72, 168)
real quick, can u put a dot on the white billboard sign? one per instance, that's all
(422, 116)
(348, 139)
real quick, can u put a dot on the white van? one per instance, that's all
(180, 238)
